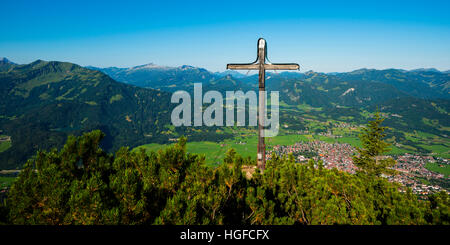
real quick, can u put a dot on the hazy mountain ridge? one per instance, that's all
(418, 83)
(423, 83)
(159, 77)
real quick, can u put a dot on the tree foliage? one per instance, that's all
(82, 184)
(370, 159)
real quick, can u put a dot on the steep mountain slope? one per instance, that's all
(42, 102)
(321, 90)
(412, 113)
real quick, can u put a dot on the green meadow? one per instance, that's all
(4, 145)
(214, 152)
(245, 139)
(6, 181)
(439, 168)
(439, 150)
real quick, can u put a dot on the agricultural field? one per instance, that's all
(439, 168)
(214, 152)
(306, 123)
(5, 142)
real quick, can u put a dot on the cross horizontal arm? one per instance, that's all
(243, 66)
(289, 66)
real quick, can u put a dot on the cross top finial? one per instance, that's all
(262, 47)
(261, 42)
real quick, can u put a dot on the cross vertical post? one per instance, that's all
(261, 65)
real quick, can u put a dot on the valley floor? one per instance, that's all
(424, 172)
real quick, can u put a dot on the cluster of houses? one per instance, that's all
(410, 168)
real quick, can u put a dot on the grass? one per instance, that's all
(245, 146)
(439, 150)
(4, 145)
(439, 168)
(440, 146)
(353, 141)
(286, 139)
(398, 151)
(116, 97)
(6, 181)
(214, 152)
(151, 147)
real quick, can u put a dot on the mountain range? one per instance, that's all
(396, 91)
(422, 83)
(43, 101)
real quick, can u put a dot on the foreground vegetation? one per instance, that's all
(82, 184)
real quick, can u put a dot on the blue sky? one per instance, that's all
(325, 36)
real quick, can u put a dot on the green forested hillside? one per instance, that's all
(42, 102)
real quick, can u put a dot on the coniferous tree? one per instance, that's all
(371, 160)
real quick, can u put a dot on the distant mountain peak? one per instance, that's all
(6, 64)
(312, 73)
(4, 60)
(362, 70)
(186, 67)
(38, 61)
(148, 66)
(151, 66)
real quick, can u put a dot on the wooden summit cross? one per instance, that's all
(261, 65)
